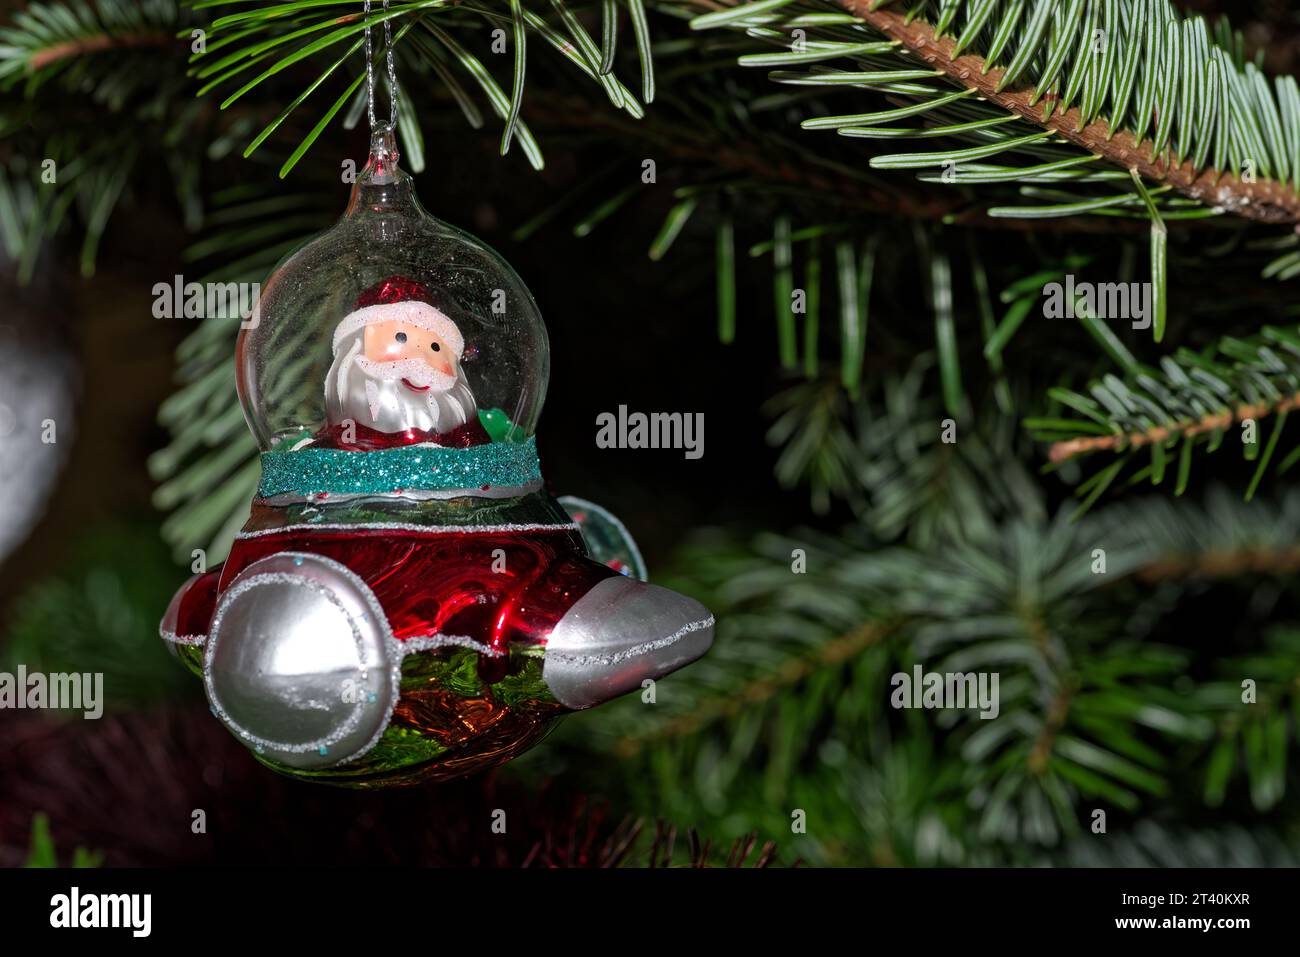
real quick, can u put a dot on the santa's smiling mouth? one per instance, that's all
(414, 388)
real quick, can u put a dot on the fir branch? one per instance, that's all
(1228, 563)
(1265, 200)
(1222, 538)
(426, 38)
(1216, 422)
(1058, 82)
(48, 36)
(104, 98)
(1058, 710)
(1022, 602)
(1255, 732)
(208, 473)
(1191, 397)
(71, 49)
(1016, 596)
(761, 690)
(1157, 845)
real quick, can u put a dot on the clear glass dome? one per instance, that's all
(392, 323)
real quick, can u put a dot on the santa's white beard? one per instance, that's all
(373, 393)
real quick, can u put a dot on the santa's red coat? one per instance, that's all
(362, 438)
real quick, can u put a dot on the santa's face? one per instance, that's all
(395, 340)
(398, 374)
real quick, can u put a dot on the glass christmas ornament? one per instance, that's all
(406, 602)
(394, 272)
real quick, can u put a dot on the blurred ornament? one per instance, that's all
(38, 384)
(406, 602)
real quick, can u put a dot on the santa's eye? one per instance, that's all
(436, 347)
(401, 337)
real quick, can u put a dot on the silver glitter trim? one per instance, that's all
(623, 655)
(406, 647)
(433, 642)
(243, 584)
(175, 639)
(408, 527)
(412, 495)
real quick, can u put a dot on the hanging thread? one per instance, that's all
(370, 69)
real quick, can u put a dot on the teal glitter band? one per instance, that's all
(409, 468)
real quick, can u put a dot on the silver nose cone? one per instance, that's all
(300, 663)
(620, 633)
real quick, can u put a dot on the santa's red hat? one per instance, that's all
(403, 299)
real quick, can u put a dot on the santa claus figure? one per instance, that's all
(396, 377)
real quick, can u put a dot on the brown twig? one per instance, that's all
(1264, 200)
(96, 44)
(1057, 711)
(1225, 563)
(1069, 448)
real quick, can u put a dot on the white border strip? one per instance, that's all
(405, 646)
(624, 654)
(405, 527)
(172, 638)
(407, 495)
(411, 646)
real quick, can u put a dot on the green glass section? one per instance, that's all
(497, 424)
(191, 657)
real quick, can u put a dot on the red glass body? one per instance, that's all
(496, 587)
